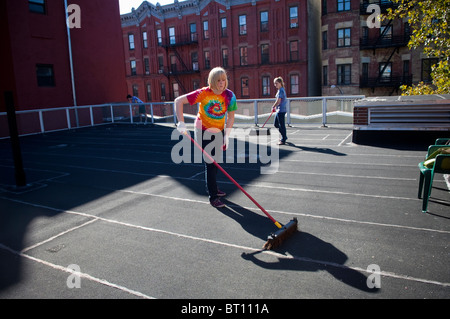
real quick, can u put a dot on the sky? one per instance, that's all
(126, 5)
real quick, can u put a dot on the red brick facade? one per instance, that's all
(255, 41)
(360, 59)
(361, 116)
(35, 43)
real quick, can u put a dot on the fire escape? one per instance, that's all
(387, 40)
(173, 46)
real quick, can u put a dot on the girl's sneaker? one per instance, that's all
(217, 203)
(221, 193)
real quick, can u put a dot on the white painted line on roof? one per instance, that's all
(58, 235)
(60, 174)
(235, 168)
(179, 235)
(308, 190)
(81, 274)
(345, 163)
(349, 176)
(259, 184)
(249, 208)
(195, 175)
(343, 141)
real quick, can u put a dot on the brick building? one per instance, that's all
(169, 50)
(358, 58)
(35, 58)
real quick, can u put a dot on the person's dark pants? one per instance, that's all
(281, 125)
(210, 168)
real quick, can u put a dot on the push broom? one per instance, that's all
(275, 239)
(256, 131)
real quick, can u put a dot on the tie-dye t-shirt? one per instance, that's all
(212, 107)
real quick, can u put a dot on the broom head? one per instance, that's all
(260, 131)
(274, 240)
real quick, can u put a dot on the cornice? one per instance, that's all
(176, 9)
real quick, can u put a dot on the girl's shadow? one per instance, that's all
(310, 252)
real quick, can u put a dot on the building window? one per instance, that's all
(405, 70)
(343, 5)
(149, 92)
(37, 6)
(133, 67)
(243, 55)
(293, 51)
(194, 58)
(264, 53)
(176, 90)
(45, 75)
(385, 72)
(205, 30)
(343, 37)
(324, 40)
(386, 31)
(294, 84)
(344, 74)
(195, 85)
(146, 66)
(243, 25)
(173, 63)
(144, 39)
(159, 36)
(193, 30)
(244, 87)
(163, 91)
(172, 39)
(266, 85)
(324, 7)
(225, 58)
(365, 36)
(406, 30)
(223, 27)
(365, 73)
(160, 64)
(131, 41)
(264, 16)
(207, 60)
(325, 75)
(426, 69)
(293, 17)
(135, 90)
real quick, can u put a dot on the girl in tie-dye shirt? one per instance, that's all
(215, 101)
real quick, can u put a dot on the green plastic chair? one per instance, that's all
(441, 141)
(427, 171)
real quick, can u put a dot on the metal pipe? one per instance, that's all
(74, 95)
(15, 143)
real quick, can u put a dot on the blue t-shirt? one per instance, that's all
(135, 99)
(282, 95)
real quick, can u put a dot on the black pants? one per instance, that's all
(281, 125)
(210, 168)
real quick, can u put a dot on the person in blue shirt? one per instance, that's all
(280, 107)
(142, 111)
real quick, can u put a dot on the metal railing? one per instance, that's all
(384, 41)
(309, 110)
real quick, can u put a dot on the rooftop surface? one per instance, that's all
(110, 203)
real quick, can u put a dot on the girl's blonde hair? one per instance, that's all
(214, 76)
(280, 80)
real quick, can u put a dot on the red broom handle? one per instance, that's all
(234, 182)
(268, 117)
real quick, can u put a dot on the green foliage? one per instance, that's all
(430, 32)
